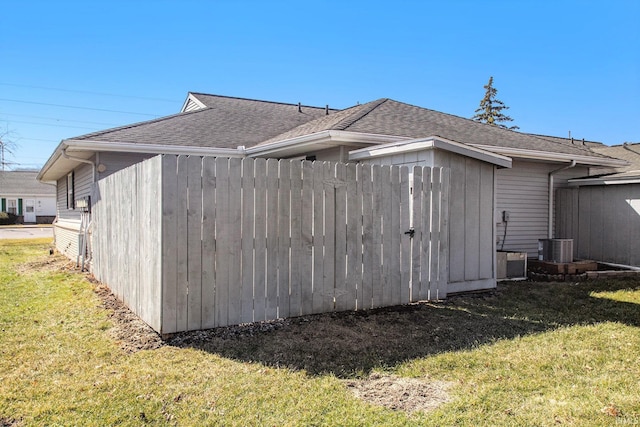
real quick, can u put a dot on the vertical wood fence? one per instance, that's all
(602, 220)
(244, 240)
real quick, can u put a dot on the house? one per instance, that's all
(224, 126)
(32, 201)
(601, 212)
(502, 183)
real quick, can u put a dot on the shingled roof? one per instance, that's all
(215, 123)
(23, 183)
(226, 122)
(629, 152)
(388, 117)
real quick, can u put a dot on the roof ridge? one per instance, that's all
(262, 100)
(358, 115)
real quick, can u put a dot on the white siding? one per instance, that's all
(523, 191)
(45, 206)
(191, 106)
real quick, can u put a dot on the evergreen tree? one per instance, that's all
(490, 110)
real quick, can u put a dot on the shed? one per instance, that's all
(472, 247)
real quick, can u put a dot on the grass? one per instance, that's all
(528, 354)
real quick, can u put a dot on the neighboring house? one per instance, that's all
(23, 195)
(502, 182)
(601, 212)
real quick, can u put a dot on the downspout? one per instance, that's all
(87, 226)
(77, 159)
(551, 201)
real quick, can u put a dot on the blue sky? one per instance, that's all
(73, 67)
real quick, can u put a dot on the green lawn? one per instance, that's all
(534, 354)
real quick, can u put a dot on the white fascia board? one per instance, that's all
(57, 153)
(430, 143)
(579, 182)
(552, 157)
(87, 148)
(319, 139)
(127, 147)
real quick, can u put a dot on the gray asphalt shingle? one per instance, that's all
(389, 117)
(23, 183)
(225, 123)
(229, 122)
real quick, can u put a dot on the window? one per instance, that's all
(70, 191)
(12, 206)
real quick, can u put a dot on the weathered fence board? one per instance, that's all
(249, 240)
(126, 249)
(603, 221)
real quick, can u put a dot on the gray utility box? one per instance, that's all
(555, 250)
(511, 265)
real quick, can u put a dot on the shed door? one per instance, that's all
(29, 210)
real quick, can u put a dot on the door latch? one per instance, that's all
(411, 232)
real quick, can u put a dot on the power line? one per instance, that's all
(59, 120)
(78, 108)
(37, 139)
(53, 125)
(87, 92)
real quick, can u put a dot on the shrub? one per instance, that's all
(7, 218)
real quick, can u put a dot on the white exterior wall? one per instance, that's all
(523, 191)
(45, 205)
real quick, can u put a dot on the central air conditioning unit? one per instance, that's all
(555, 250)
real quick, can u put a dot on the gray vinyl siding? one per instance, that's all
(114, 162)
(67, 226)
(523, 191)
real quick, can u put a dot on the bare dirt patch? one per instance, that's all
(403, 394)
(51, 263)
(132, 333)
(10, 422)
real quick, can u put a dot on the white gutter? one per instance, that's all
(551, 201)
(324, 137)
(578, 182)
(428, 143)
(128, 147)
(71, 145)
(77, 159)
(553, 156)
